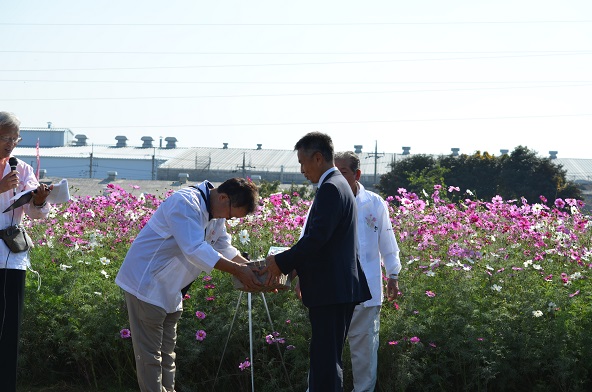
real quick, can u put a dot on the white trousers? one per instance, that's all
(363, 344)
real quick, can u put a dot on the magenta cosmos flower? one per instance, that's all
(200, 315)
(200, 335)
(125, 333)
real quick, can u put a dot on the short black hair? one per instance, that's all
(316, 142)
(242, 193)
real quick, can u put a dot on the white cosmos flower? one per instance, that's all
(65, 267)
(104, 261)
(244, 236)
(104, 273)
(537, 313)
(576, 275)
(497, 288)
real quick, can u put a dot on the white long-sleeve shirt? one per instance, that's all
(177, 244)
(27, 181)
(376, 242)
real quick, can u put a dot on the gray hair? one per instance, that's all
(8, 119)
(351, 158)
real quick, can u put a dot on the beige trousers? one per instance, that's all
(154, 335)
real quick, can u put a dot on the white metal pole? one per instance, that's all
(251, 359)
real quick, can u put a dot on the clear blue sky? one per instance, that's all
(429, 74)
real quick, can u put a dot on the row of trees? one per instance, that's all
(520, 174)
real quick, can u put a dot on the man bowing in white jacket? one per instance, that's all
(185, 237)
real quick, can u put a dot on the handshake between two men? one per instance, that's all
(266, 275)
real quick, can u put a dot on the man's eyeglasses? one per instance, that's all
(6, 139)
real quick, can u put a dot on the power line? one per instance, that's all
(292, 53)
(288, 94)
(335, 122)
(288, 82)
(289, 64)
(294, 24)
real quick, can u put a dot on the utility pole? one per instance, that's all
(375, 155)
(90, 172)
(245, 166)
(154, 162)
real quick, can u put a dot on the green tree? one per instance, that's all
(520, 174)
(524, 174)
(477, 172)
(411, 173)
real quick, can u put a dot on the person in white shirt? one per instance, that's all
(378, 248)
(17, 176)
(185, 237)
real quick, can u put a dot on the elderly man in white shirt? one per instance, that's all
(378, 248)
(185, 237)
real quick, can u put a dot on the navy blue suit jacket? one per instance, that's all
(326, 257)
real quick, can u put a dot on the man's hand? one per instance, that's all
(247, 277)
(273, 271)
(392, 289)
(242, 272)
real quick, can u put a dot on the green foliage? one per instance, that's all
(520, 174)
(267, 188)
(403, 170)
(496, 296)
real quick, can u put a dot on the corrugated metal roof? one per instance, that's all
(41, 129)
(579, 170)
(98, 151)
(234, 158)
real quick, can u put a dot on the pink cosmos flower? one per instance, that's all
(430, 293)
(290, 347)
(200, 335)
(394, 342)
(559, 203)
(200, 315)
(414, 340)
(207, 278)
(574, 294)
(244, 365)
(125, 333)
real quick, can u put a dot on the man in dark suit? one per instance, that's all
(326, 262)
